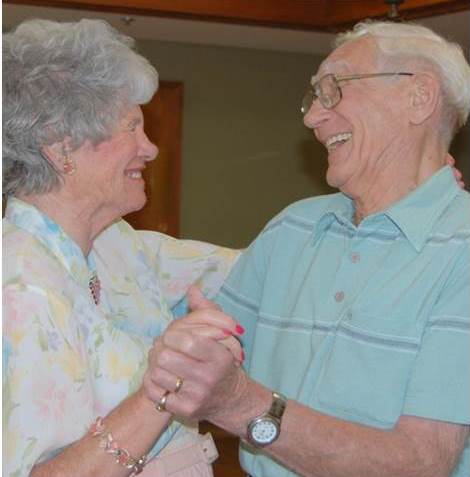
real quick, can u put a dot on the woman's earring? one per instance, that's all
(67, 163)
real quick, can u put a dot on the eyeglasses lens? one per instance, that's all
(307, 101)
(329, 92)
(326, 89)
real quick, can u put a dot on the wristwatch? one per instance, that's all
(265, 429)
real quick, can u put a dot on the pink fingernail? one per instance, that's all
(226, 332)
(240, 330)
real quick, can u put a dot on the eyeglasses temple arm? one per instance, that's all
(370, 75)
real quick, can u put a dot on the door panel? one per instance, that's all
(162, 123)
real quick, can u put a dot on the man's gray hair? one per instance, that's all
(64, 81)
(404, 43)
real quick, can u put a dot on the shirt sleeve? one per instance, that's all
(439, 387)
(241, 294)
(46, 396)
(175, 264)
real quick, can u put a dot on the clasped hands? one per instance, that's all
(199, 357)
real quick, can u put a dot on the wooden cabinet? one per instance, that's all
(319, 15)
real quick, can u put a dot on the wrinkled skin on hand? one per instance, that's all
(201, 349)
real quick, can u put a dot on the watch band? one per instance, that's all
(278, 405)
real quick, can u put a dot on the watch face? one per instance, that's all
(264, 431)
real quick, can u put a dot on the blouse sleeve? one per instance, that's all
(175, 263)
(46, 396)
(181, 263)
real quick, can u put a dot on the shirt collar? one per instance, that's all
(52, 236)
(417, 213)
(340, 208)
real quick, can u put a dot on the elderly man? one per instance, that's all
(356, 305)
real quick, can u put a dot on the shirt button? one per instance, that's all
(355, 257)
(339, 296)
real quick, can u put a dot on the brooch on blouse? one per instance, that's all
(95, 288)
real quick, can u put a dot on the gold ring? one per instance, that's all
(160, 406)
(178, 385)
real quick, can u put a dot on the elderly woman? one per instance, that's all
(76, 336)
(356, 304)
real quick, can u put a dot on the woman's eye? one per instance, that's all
(133, 126)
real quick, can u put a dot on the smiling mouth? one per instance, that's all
(134, 174)
(335, 141)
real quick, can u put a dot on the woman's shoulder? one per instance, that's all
(25, 257)
(119, 240)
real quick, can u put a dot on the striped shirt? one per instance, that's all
(365, 323)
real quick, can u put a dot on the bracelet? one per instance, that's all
(110, 446)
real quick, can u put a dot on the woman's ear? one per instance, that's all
(424, 97)
(59, 156)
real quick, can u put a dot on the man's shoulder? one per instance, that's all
(456, 218)
(463, 206)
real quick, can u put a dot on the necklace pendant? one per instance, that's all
(95, 288)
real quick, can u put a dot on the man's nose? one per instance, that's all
(316, 115)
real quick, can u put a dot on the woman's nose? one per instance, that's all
(149, 149)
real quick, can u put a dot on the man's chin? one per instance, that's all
(332, 177)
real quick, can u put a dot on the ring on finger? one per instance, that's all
(160, 406)
(178, 385)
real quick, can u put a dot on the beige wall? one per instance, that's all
(246, 154)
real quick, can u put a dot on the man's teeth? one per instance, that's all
(334, 141)
(134, 174)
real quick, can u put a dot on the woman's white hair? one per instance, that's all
(405, 43)
(64, 81)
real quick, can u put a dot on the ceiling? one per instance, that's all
(455, 26)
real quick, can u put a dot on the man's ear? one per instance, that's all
(424, 97)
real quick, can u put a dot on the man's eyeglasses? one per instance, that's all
(328, 91)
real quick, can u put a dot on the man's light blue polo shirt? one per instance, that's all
(362, 323)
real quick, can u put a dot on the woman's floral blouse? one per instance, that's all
(65, 359)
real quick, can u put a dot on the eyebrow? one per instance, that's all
(134, 122)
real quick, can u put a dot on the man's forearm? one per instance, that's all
(314, 444)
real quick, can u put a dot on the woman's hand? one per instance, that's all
(458, 175)
(211, 329)
(202, 351)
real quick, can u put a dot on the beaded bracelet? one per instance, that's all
(110, 446)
